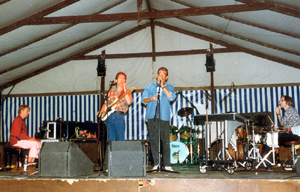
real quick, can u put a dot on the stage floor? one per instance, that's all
(188, 178)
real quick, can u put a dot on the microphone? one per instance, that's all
(233, 88)
(113, 82)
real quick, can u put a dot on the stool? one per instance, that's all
(292, 144)
(12, 150)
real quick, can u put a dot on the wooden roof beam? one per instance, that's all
(113, 39)
(4, 1)
(274, 7)
(40, 14)
(244, 22)
(55, 32)
(57, 50)
(156, 54)
(228, 45)
(243, 38)
(60, 62)
(157, 14)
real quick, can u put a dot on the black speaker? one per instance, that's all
(126, 158)
(210, 63)
(101, 69)
(63, 159)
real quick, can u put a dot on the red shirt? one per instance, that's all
(18, 131)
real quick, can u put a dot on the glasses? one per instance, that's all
(281, 101)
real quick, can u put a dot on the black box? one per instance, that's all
(126, 158)
(63, 159)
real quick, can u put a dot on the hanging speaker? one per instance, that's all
(101, 69)
(210, 63)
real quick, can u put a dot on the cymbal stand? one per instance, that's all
(191, 139)
(271, 151)
(254, 152)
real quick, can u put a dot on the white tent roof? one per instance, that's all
(53, 45)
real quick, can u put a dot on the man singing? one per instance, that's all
(116, 121)
(159, 118)
(19, 137)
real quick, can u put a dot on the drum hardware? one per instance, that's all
(272, 138)
(185, 132)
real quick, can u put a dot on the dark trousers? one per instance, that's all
(153, 126)
(285, 137)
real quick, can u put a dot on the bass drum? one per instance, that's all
(236, 152)
(178, 152)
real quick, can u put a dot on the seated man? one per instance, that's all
(290, 121)
(19, 137)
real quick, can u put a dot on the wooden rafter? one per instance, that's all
(139, 10)
(57, 50)
(156, 54)
(228, 45)
(244, 22)
(259, 26)
(243, 38)
(145, 15)
(55, 32)
(274, 7)
(62, 61)
(4, 1)
(34, 41)
(113, 39)
(153, 39)
(36, 16)
(149, 7)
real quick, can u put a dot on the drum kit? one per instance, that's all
(182, 141)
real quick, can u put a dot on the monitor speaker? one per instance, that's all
(63, 159)
(126, 159)
(297, 166)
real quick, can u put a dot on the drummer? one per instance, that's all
(290, 121)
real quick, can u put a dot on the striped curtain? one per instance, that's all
(83, 108)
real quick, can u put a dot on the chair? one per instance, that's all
(12, 150)
(293, 149)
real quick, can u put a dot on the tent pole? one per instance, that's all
(212, 87)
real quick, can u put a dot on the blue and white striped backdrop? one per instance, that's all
(84, 108)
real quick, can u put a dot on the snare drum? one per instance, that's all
(275, 139)
(178, 152)
(185, 134)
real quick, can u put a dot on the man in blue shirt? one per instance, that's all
(159, 118)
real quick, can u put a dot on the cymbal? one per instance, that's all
(185, 111)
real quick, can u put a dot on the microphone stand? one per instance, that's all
(105, 166)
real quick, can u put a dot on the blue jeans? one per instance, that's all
(116, 127)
